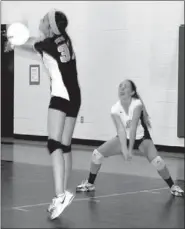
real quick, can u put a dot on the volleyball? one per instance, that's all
(18, 33)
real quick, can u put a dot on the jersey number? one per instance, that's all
(64, 53)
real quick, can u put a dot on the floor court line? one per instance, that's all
(91, 198)
(20, 209)
(155, 192)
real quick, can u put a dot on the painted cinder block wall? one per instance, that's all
(113, 41)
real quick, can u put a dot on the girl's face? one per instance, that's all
(44, 26)
(125, 90)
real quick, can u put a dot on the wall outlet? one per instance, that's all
(82, 119)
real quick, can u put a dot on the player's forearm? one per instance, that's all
(123, 140)
(27, 50)
(126, 151)
(132, 138)
(28, 46)
(121, 132)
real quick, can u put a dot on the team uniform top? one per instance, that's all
(127, 118)
(59, 59)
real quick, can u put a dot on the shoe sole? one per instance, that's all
(64, 208)
(86, 190)
(178, 195)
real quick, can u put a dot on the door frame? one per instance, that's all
(7, 67)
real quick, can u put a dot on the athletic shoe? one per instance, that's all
(54, 203)
(61, 205)
(176, 191)
(85, 186)
(69, 198)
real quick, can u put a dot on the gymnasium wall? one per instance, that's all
(113, 41)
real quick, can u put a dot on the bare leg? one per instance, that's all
(66, 140)
(109, 148)
(56, 121)
(149, 150)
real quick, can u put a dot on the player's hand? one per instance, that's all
(8, 47)
(127, 155)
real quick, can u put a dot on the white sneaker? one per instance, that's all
(61, 205)
(176, 191)
(69, 198)
(55, 201)
(85, 186)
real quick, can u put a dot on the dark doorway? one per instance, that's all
(7, 88)
(180, 126)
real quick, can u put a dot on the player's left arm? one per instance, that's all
(25, 49)
(133, 127)
(29, 45)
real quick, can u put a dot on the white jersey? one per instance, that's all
(58, 87)
(127, 118)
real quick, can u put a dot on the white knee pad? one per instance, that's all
(97, 157)
(158, 163)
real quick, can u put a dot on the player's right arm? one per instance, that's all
(120, 130)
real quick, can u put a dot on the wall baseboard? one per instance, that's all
(88, 142)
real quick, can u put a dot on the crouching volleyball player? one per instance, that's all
(131, 120)
(59, 59)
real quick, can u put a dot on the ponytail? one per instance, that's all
(145, 113)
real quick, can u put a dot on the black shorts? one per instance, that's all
(70, 108)
(138, 142)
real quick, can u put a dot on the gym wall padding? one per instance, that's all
(180, 116)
